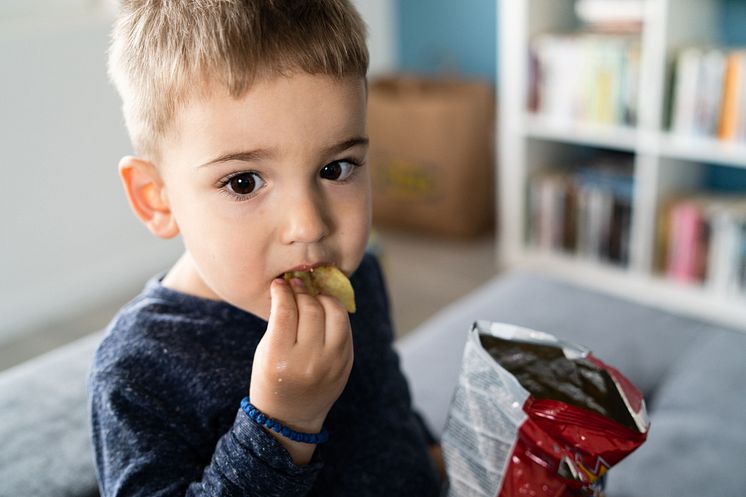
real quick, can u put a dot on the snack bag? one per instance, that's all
(535, 416)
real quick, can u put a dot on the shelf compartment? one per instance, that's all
(579, 202)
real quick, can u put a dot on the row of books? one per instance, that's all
(709, 94)
(588, 77)
(586, 211)
(703, 240)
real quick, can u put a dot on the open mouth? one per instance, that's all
(304, 268)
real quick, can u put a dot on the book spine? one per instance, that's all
(546, 214)
(583, 223)
(534, 212)
(686, 91)
(731, 105)
(711, 93)
(741, 125)
(684, 245)
(631, 83)
(741, 257)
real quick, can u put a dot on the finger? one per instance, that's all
(282, 328)
(337, 323)
(299, 287)
(310, 316)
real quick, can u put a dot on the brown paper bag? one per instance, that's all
(431, 155)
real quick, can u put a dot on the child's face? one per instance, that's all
(268, 183)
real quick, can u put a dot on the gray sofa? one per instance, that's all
(693, 375)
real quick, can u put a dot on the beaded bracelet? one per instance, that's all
(297, 436)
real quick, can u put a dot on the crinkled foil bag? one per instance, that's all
(535, 416)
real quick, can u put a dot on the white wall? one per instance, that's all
(67, 238)
(68, 241)
(380, 16)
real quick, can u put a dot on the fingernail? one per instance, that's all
(298, 283)
(279, 281)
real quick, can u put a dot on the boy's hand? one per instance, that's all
(302, 363)
(436, 453)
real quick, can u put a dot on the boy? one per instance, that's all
(220, 378)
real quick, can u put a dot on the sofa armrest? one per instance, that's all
(44, 427)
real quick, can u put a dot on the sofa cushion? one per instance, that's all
(46, 448)
(697, 441)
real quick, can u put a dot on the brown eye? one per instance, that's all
(338, 170)
(245, 183)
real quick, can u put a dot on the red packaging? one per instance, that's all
(534, 416)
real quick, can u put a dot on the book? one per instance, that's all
(741, 258)
(709, 93)
(600, 205)
(722, 264)
(630, 87)
(685, 248)
(731, 105)
(741, 125)
(685, 91)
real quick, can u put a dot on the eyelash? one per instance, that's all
(355, 166)
(223, 183)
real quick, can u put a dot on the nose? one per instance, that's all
(305, 218)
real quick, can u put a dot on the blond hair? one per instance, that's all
(164, 52)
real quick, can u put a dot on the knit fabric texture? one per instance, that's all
(165, 389)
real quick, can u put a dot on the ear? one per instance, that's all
(147, 196)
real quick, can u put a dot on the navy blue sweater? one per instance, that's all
(165, 388)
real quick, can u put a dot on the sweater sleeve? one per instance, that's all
(145, 447)
(427, 433)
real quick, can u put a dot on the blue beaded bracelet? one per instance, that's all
(297, 436)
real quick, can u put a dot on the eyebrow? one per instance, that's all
(262, 154)
(352, 142)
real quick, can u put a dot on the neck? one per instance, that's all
(183, 277)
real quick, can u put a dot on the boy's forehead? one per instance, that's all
(318, 110)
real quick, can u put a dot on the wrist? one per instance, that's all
(291, 431)
(299, 444)
(286, 414)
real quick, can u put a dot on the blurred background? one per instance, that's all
(623, 156)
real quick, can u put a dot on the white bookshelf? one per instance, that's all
(663, 163)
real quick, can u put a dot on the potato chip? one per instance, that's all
(327, 280)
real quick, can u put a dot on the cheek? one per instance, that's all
(218, 235)
(355, 219)
(366, 202)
